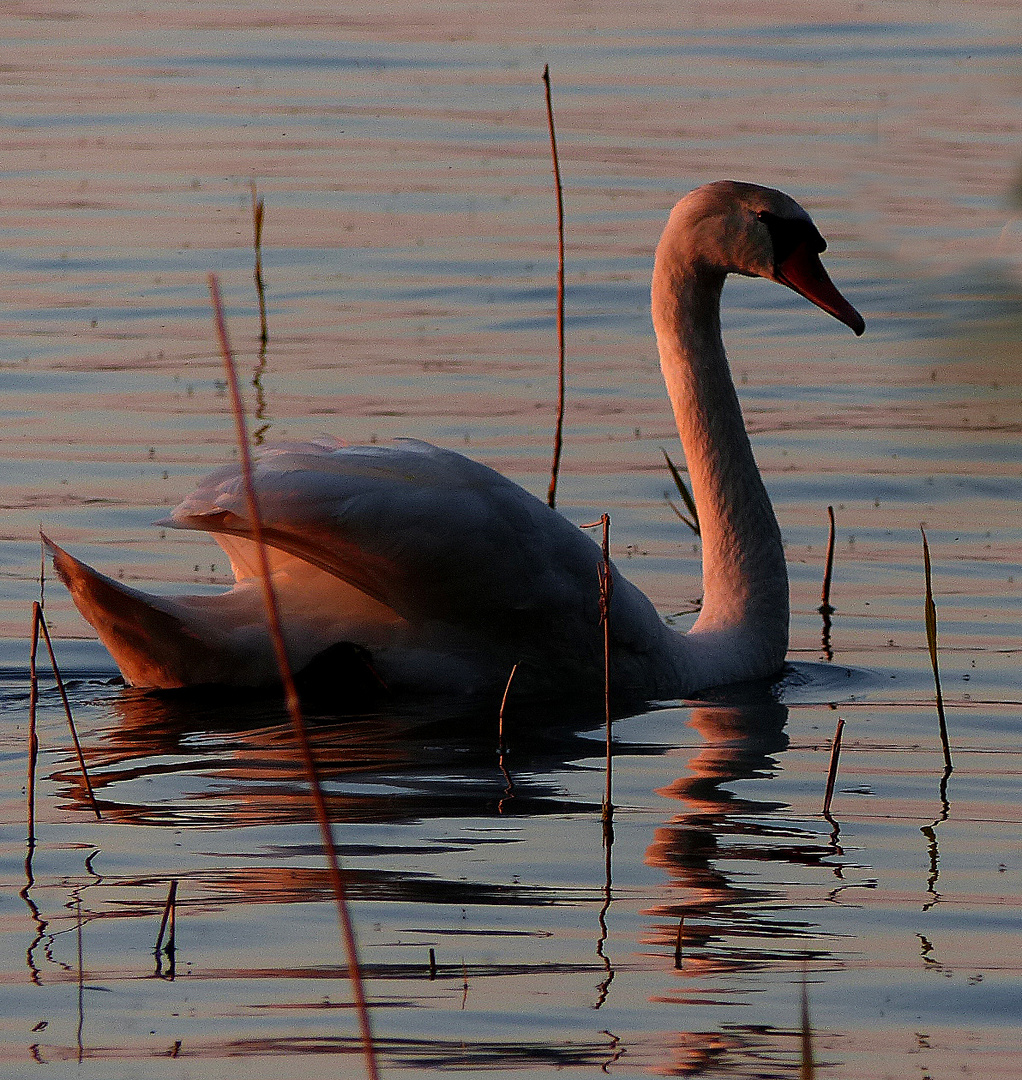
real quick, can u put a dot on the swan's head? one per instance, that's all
(733, 228)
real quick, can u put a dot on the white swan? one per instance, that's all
(445, 574)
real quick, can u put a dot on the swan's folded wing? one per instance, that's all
(425, 531)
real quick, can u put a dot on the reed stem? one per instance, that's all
(551, 497)
(828, 570)
(835, 753)
(500, 719)
(257, 241)
(37, 614)
(606, 581)
(33, 736)
(290, 690)
(931, 641)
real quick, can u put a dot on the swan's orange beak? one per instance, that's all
(803, 272)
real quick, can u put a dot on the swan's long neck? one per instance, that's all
(745, 581)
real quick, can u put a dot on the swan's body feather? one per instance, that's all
(445, 574)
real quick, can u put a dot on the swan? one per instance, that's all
(436, 574)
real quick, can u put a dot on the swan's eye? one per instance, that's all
(787, 234)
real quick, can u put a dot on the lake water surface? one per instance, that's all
(410, 258)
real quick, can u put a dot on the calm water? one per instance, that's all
(410, 256)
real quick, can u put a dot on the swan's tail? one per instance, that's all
(151, 645)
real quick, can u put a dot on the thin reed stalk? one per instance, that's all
(931, 641)
(33, 736)
(258, 207)
(835, 753)
(168, 909)
(679, 940)
(502, 746)
(290, 690)
(168, 928)
(606, 581)
(551, 496)
(828, 569)
(37, 615)
(81, 980)
(826, 609)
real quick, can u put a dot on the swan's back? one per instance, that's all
(480, 573)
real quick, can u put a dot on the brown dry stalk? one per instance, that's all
(503, 704)
(168, 927)
(37, 615)
(825, 608)
(257, 243)
(931, 641)
(33, 737)
(606, 580)
(551, 496)
(835, 752)
(290, 690)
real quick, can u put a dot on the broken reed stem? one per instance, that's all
(257, 229)
(33, 737)
(828, 570)
(37, 615)
(290, 690)
(931, 641)
(679, 940)
(503, 703)
(551, 496)
(835, 753)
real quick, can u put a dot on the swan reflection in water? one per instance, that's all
(178, 761)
